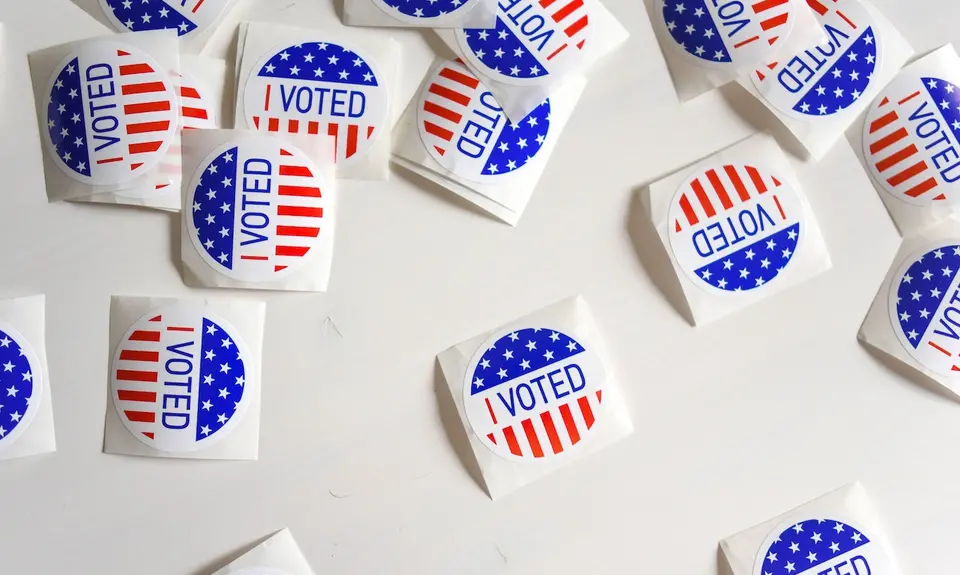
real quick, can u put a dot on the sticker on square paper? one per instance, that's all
(178, 378)
(319, 88)
(184, 16)
(735, 227)
(21, 384)
(464, 129)
(821, 546)
(257, 209)
(198, 108)
(925, 308)
(912, 139)
(728, 33)
(420, 11)
(533, 393)
(829, 78)
(112, 113)
(534, 40)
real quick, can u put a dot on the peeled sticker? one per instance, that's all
(924, 298)
(179, 378)
(829, 78)
(197, 106)
(735, 227)
(319, 88)
(534, 393)
(464, 129)
(257, 209)
(911, 139)
(184, 16)
(728, 33)
(112, 113)
(21, 385)
(533, 41)
(420, 11)
(821, 546)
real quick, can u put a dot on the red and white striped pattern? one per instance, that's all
(551, 431)
(572, 15)
(722, 189)
(822, 8)
(897, 159)
(446, 103)
(197, 112)
(774, 15)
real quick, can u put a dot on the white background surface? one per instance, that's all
(736, 422)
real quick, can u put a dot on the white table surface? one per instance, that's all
(735, 422)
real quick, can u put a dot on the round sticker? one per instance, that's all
(735, 227)
(21, 385)
(728, 33)
(182, 378)
(184, 16)
(821, 547)
(911, 139)
(197, 106)
(319, 88)
(533, 393)
(466, 132)
(111, 115)
(532, 42)
(424, 11)
(829, 78)
(257, 209)
(924, 311)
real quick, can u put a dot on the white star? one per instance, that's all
(502, 373)
(485, 363)
(15, 416)
(210, 218)
(905, 316)
(146, 18)
(852, 56)
(798, 528)
(744, 273)
(207, 405)
(221, 418)
(478, 382)
(205, 430)
(212, 169)
(333, 59)
(707, 275)
(812, 557)
(947, 271)
(835, 547)
(211, 194)
(912, 334)
(224, 393)
(821, 90)
(344, 74)
(12, 391)
(727, 265)
(514, 71)
(8, 366)
(308, 58)
(690, 29)
(226, 343)
(924, 313)
(838, 92)
(514, 336)
(699, 50)
(522, 143)
(935, 293)
(295, 71)
(794, 547)
(764, 263)
(680, 8)
(239, 381)
(787, 253)
(554, 336)
(907, 278)
(358, 62)
(508, 354)
(164, 12)
(915, 295)
(749, 254)
(816, 538)
(525, 364)
(548, 356)
(772, 557)
(225, 207)
(718, 55)
(227, 181)
(856, 537)
(938, 254)
(269, 68)
(708, 33)
(722, 284)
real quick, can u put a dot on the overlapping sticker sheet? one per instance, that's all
(278, 555)
(421, 13)
(535, 395)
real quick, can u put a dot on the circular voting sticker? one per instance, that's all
(533, 393)
(911, 139)
(111, 115)
(182, 378)
(21, 385)
(319, 88)
(829, 78)
(821, 547)
(534, 41)
(925, 308)
(197, 106)
(728, 33)
(466, 132)
(184, 16)
(735, 227)
(425, 11)
(257, 209)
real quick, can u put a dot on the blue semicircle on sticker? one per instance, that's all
(691, 26)
(519, 353)
(947, 97)
(222, 379)
(426, 8)
(519, 142)
(319, 62)
(805, 547)
(923, 288)
(16, 384)
(846, 80)
(502, 51)
(139, 16)
(754, 265)
(66, 119)
(214, 204)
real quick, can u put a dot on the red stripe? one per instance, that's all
(576, 27)
(910, 172)
(888, 140)
(301, 171)
(737, 183)
(460, 78)
(136, 375)
(141, 416)
(567, 10)
(555, 443)
(721, 191)
(545, 3)
(756, 179)
(883, 121)
(109, 161)
(130, 395)
(899, 156)
(764, 5)
(146, 107)
(294, 251)
(313, 128)
(935, 346)
(298, 231)
(145, 147)
(449, 94)
(302, 191)
(133, 69)
(352, 135)
(437, 131)
(774, 22)
(285, 153)
(816, 5)
(266, 100)
(512, 440)
(145, 88)
(745, 42)
(776, 200)
(532, 438)
(197, 7)
(688, 210)
(444, 113)
(702, 197)
(146, 127)
(293, 126)
(300, 211)
(847, 20)
(922, 188)
(586, 410)
(138, 355)
(569, 423)
(141, 335)
(257, 258)
(198, 113)
(173, 328)
(493, 416)
(333, 130)
(557, 51)
(188, 92)
(273, 124)
(369, 131)
(908, 98)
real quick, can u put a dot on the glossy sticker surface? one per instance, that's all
(21, 384)
(184, 16)
(735, 227)
(822, 546)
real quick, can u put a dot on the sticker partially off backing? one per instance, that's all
(925, 308)
(319, 88)
(420, 11)
(735, 227)
(533, 40)
(257, 209)
(911, 139)
(822, 546)
(112, 113)
(197, 106)
(829, 78)
(179, 378)
(21, 385)
(464, 129)
(728, 33)
(184, 16)
(534, 393)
